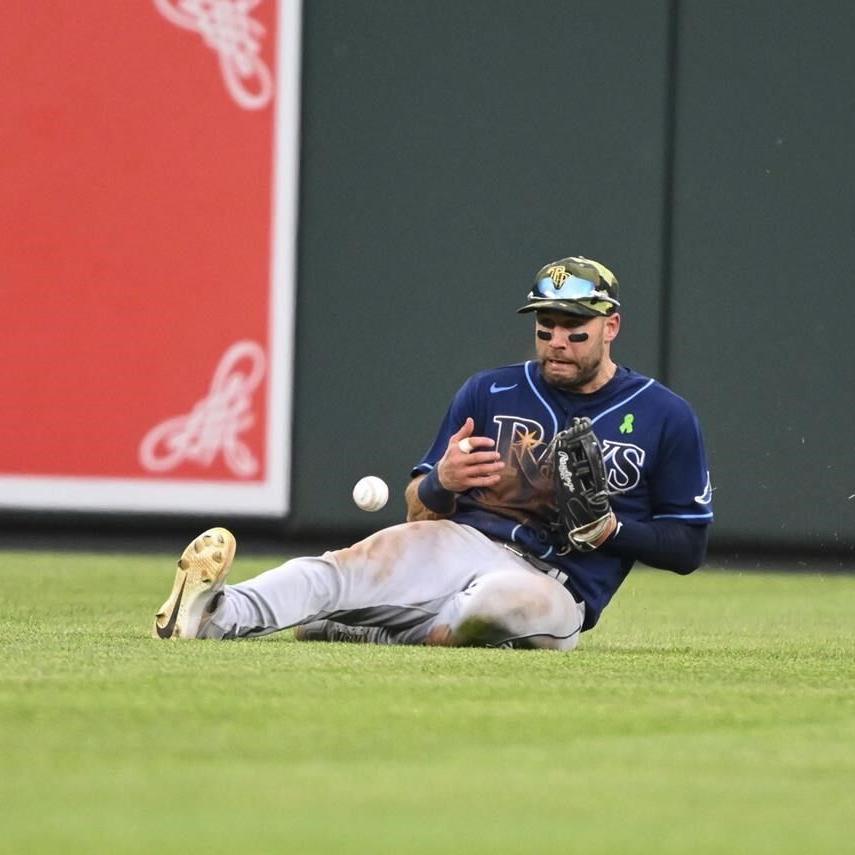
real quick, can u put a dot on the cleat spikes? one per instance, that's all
(201, 575)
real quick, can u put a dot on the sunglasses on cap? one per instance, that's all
(571, 288)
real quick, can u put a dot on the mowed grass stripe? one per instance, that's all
(714, 713)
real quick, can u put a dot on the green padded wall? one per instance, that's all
(764, 249)
(448, 150)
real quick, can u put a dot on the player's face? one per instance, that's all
(566, 362)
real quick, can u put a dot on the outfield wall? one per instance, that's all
(446, 149)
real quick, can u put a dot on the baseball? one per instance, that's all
(370, 493)
(465, 446)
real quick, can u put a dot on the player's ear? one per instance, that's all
(611, 327)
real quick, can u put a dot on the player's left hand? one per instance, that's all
(581, 492)
(597, 533)
(459, 470)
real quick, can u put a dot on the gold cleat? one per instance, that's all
(201, 574)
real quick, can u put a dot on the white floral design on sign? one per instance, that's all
(216, 422)
(228, 28)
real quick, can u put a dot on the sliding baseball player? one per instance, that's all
(547, 480)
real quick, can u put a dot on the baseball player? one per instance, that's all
(547, 480)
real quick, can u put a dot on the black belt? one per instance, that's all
(538, 563)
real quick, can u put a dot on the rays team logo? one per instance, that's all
(558, 274)
(706, 497)
(623, 463)
(520, 443)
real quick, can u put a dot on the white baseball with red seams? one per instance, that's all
(370, 493)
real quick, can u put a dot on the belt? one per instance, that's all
(537, 563)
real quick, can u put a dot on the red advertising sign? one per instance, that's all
(148, 174)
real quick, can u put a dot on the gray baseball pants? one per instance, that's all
(430, 582)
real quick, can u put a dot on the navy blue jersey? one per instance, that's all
(652, 448)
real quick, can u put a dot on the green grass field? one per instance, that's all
(714, 713)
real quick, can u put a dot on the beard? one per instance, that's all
(586, 370)
(587, 366)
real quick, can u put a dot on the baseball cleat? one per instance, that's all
(201, 573)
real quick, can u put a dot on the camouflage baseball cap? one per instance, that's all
(575, 285)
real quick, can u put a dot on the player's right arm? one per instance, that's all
(434, 495)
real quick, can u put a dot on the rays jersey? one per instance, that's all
(652, 449)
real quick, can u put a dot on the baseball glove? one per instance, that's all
(584, 512)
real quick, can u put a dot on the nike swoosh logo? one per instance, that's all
(166, 631)
(494, 388)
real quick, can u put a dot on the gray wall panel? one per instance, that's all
(764, 248)
(448, 150)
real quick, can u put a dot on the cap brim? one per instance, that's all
(569, 307)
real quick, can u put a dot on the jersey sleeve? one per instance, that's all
(680, 486)
(465, 404)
